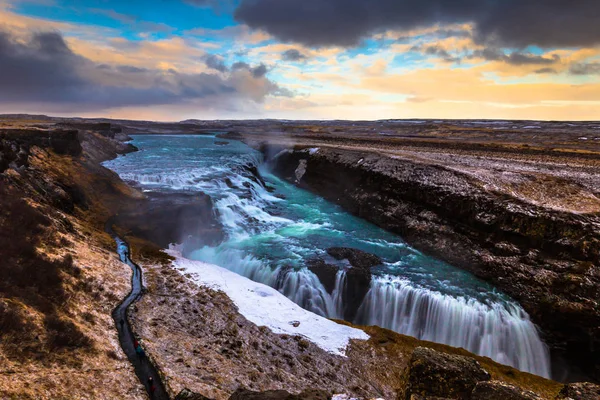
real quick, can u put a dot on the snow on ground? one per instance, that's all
(265, 306)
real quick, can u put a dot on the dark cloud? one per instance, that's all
(216, 62)
(546, 71)
(257, 72)
(44, 70)
(448, 33)
(436, 51)
(292, 55)
(506, 23)
(592, 68)
(125, 68)
(260, 71)
(240, 65)
(515, 58)
(531, 59)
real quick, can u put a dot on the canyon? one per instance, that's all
(522, 218)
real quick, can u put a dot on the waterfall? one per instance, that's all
(502, 332)
(338, 293)
(304, 288)
(269, 240)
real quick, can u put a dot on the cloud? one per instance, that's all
(437, 51)
(44, 70)
(216, 63)
(472, 87)
(592, 68)
(515, 58)
(292, 55)
(546, 71)
(239, 33)
(258, 71)
(507, 23)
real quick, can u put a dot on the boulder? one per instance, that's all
(311, 394)
(187, 394)
(356, 258)
(493, 390)
(579, 391)
(435, 374)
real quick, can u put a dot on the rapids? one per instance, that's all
(272, 228)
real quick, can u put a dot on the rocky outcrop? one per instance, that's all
(187, 394)
(432, 373)
(579, 391)
(358, 277)
(16, 144)
(545, 259)
(243, 394)
(168, 218)
(495, 390)
(357, 258)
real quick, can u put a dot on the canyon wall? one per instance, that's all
(545, 259)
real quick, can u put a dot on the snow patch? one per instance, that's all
(265, 306)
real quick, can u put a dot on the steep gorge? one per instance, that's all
(546, 259)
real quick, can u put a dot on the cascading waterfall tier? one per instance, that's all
(502, 332)
(271, 232)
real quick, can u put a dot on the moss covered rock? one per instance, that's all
(493, 390)
(431, 373)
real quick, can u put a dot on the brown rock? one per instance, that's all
(499, 390)
(187, 394)
(580, 391)
(311, 394)
(357, 258)
(431, 373)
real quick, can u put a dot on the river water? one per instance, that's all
(271, 231)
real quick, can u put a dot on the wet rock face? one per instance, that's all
(545, 259)
(243, 394)
(580, 391)
(432, 373)
(358, 277)
(357, 258)
(498, 390)
(168, 218)
(300, 171)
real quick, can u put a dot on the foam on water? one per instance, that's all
(272, 231)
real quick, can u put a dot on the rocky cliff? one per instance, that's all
(60, 276)
(546, 259)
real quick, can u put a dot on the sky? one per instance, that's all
(301, 59)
